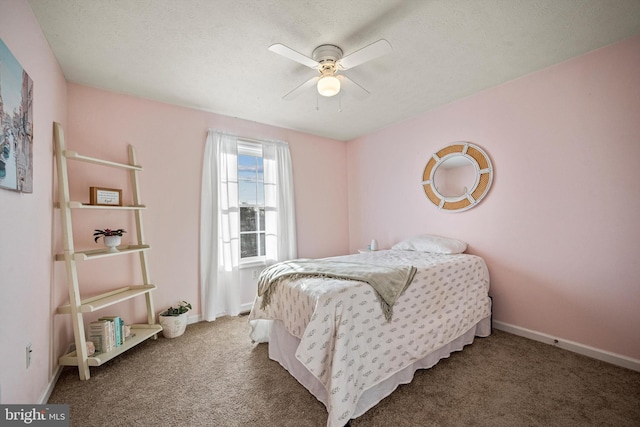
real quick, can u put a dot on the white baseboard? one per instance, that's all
(52, 383)
(585, 350)
(194, 319)
(246, 308)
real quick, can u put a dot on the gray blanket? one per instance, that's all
(388, 282)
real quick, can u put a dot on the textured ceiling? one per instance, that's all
(212, 54)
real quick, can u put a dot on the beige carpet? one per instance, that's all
(215, 376)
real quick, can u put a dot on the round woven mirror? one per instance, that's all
(457, 177)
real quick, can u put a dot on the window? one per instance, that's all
(251, 202)
(247, 217)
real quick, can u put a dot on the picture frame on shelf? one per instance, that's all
(100, 196)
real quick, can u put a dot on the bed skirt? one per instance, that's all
(282, 348)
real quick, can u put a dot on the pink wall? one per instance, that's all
(170, 145)
(559, 228)
(170, 142)
(25, 245)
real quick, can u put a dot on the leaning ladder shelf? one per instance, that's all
(78, 305)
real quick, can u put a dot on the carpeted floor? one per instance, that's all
(214, 376)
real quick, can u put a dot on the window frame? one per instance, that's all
(249, 148)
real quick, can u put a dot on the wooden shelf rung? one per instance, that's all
(80, 205)
(139, 333)
(98, 302)
(74, 155)
(101, 253)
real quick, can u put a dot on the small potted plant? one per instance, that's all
(174, 320)
(111, 238)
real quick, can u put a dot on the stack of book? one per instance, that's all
(106, 333)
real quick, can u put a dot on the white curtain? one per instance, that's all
(280, 217)
(219, 227)
(220, 216)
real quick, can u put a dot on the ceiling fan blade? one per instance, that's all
(353, 88)
(289, 53)
(367, 53)
(298, 90)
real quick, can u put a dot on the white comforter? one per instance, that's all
(345, 340)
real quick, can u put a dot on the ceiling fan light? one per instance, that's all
(328, 86)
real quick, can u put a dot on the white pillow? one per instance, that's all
(433, 244)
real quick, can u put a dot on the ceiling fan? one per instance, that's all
(328, 60)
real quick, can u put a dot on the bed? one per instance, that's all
(333, 336)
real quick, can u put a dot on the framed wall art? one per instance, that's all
(16, 124)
